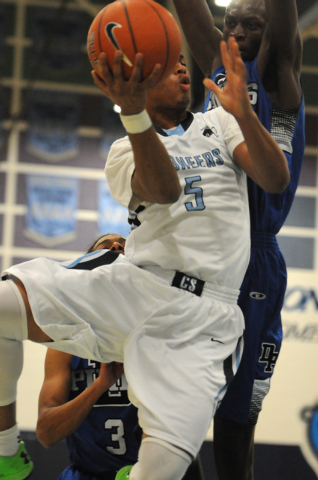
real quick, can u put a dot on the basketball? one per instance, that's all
(135, 26)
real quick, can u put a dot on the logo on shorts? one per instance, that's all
(191, 284)
(269, 356)
(257, 295)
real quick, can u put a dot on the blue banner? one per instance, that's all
(51, 207)
(53, 125)
(113, 217)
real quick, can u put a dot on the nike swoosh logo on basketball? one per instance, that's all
(110, 34)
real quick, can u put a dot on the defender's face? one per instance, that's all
(174, 92)
(113, 242)
(245, 20)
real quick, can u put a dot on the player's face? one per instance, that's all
(174, 92)
(111, 241)
(245, 20)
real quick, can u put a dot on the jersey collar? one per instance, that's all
(179, 130)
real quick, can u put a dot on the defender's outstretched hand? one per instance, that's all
(129, 94)
(233, 96)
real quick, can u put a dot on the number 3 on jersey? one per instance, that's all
(117, 436)
(190, 189)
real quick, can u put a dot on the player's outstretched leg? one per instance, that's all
(158, 460)
(233, 449)
(14, 460)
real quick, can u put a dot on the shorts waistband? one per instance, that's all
(263, 240)
(193, 285)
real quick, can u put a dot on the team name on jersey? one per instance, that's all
(209, 159)
(83, 378)
(220, 80)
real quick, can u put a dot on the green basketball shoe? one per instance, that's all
(17, 467)
(123, 473)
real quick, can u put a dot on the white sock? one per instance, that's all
(9, 441)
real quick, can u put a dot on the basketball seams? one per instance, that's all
(129, 26)
(98, 31)
(167, 39)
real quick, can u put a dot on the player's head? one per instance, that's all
(109, 241)
(245, 20)
(173, 94)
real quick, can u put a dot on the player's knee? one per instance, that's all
(158, 460)
(13, 317)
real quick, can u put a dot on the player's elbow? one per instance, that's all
(279, 184)
(44, 436)
(168, 195)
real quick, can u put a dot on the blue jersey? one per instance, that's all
(109, 437)
(269, 211)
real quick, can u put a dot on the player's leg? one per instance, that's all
(233, 449)
(157, 460)
(14, 460)
(236, 418)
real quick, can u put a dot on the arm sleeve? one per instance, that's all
(119, 169)
(231, 130)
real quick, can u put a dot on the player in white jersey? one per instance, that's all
(176, 331)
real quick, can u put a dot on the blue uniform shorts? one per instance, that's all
(261, 300)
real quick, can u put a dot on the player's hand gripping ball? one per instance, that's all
(135, 26)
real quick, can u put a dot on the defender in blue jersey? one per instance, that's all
(270, 45)
(108, 438)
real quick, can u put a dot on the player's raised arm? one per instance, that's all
(202, 35)
(155, 179)
(282, 51)
(259, 156)
(59, 417)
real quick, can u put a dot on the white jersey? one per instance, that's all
(205, 234)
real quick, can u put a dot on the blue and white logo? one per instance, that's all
(51, 207)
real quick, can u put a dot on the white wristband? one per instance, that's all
(136, 123)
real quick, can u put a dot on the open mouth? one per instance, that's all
(185, 82)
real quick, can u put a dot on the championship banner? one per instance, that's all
(113, 217)
(57, 39)
(51, 208)
(53, 125)
(112, 128)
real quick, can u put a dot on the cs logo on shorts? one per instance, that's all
(257, 295)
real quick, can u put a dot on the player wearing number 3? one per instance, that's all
(168, 308)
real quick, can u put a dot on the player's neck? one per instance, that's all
(168, 118)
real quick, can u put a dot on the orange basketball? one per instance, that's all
(134, 26)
